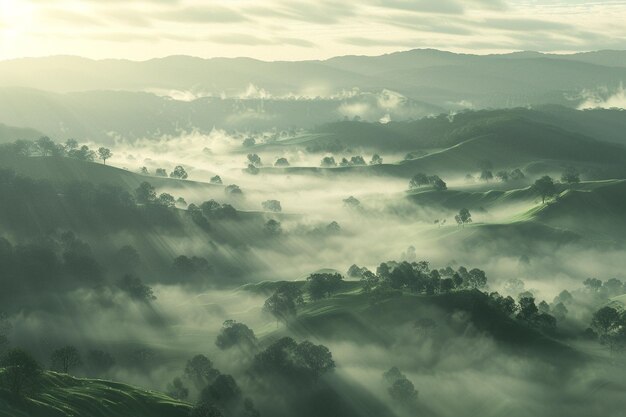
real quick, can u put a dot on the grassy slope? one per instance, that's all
(507, 142)
(595, 208)
(351, 315)
(61, 170)
(62, 395)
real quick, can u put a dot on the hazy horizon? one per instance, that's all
(297, 30)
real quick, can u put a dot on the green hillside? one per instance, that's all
(60, 395)
(62, 170)
(507, 142)
(595, 210)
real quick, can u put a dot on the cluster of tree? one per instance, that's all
(272, 205)
(52, 266)
(134, 287)
(234, 334)
(216, 180)
(45, 146)
(283, 303)
(421, 179)
(214, 210)
(61, 263)
(418, 277)
(605, 290)
(22, 371)
(322, 285)
(463, 217)
(299, 363)
(233, 190)
(608, 325)
(187, 267)
(178, 172)
(219, 394)
(400, 388)
(357, 160)
(514, 175)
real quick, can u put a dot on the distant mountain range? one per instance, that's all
(69, 96)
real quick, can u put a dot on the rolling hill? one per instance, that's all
(60, 395)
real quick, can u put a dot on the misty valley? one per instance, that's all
(414, 234)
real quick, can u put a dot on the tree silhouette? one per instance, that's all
(64, 359)
(104, 153)
(545, 187)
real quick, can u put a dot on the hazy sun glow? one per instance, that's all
(297, 29)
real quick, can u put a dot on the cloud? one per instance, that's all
(201, 14)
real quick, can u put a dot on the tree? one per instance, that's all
(418, 180)
(82, 154)
(216, 180)
(527, 308)
(144, 171)
(166, 200)
(477, 278)
(46, 146)
(351, 202)
(281, 162)
(376, 160)
(463, 217)
(235, 334)
(570, 176)
(328, 161)
(545, 187)
(64, 359)
(200, 371)
(272, 205)
(400, 388)
(176, 389)
(222, 392)
(357, 160)
(301, 363)
(104, 153)
(273, 227)
(254, 159)
(249, 142)
(145, 193)
(253, 170)
(135, 288)
(160, 172)
(179, 173)
(21, 372)
(233, 190)
(322, 285)
(437, 183)
(281, 306)
(606, 321)
(70, 145)
(486, 175)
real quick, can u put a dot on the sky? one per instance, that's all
(303, 29)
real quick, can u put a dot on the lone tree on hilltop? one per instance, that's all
(545, 187)
(64, 359)
(104, 154)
